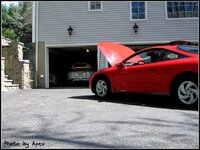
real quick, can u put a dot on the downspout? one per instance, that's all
(36, 40)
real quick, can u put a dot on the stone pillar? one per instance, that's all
(17, 49)
(25, 75)
(2, 72)
(15, 63)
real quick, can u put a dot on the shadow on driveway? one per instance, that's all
(150, 100)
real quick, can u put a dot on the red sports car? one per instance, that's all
(167, 69)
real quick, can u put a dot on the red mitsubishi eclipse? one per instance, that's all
(166, 69)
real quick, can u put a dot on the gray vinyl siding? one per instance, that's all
(111, 24)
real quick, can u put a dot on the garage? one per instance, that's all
(62, 59)
(59, 61)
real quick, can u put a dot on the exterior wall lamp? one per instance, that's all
(70, 30)
(135, 28)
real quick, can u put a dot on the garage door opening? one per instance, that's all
(61, 61)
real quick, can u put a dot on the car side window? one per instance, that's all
(151, 56)
(167, 55)
(145, 57)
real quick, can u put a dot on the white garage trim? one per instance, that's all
(46, 67)
(101, 58)
(94, 44)
(98, 55)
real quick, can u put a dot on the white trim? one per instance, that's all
(184, 18)
(95, 9)
(33, 22)
(46, 67)
(99, 55)
(106, 63)
(98, 60)
(166, 10)
(145, 5)
(71, 45)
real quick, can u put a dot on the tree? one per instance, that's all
(17, 22)
(25, 32)
(9, 33)
(6, 25)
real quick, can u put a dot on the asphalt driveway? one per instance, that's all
(74, 118)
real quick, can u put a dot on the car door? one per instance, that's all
(138, 73)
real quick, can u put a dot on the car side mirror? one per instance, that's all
(120, 65)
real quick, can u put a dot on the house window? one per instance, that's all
(138, 10)
(182, 9)
(95, 6)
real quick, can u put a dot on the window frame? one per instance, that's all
(89, 4)
(183, 18)
(145, 6)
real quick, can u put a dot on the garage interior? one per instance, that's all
(61, 60)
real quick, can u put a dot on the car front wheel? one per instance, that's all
(102, 88)
(187, 92)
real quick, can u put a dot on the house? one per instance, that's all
(66, 32)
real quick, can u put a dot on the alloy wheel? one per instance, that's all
(188, 92)
(101, 88)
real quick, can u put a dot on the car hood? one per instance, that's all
(114, 52)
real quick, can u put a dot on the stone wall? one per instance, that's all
(15, 66)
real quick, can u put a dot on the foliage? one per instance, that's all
(9, 33)
(17, 22)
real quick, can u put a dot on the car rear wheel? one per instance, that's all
(102, 88)
(187, 92)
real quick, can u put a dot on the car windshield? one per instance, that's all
(189, 48)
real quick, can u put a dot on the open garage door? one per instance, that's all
(61, 61)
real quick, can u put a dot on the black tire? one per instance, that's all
(186, 91)
(102, 88)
